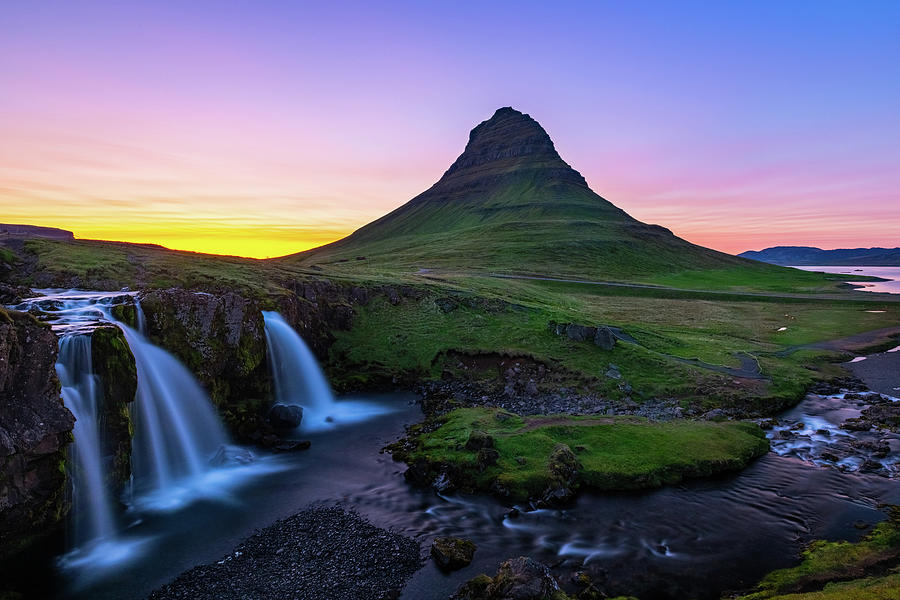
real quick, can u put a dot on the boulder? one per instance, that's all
(451, 554)
(580, 333)
(604, 338)
(285, 416)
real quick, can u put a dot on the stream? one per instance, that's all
(698, 539)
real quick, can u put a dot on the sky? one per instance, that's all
(266, 128)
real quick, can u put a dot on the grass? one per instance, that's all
(615, 453)
(869, 569)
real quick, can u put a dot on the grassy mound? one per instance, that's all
(484, 449)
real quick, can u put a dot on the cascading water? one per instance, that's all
(177, 436)
(296, 374)
(176, 429)
(299, 381)
(93, 506)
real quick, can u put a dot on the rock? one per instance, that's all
(563, 467)
(580, 333)
(452, 554)
(117, 373)
(487, 457)
(520, 578)
(479, 440)
(716, 414)
(604, 338)
(35, 429)
(446, 305)
(291, 445)
(285, 416)
(613, 374)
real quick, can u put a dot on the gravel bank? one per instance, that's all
(322, 553)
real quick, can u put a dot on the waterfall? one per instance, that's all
(177, 431)
(299, 381)
(297, 376)
(92, 504)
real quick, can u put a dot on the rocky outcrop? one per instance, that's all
(520, 578)
(116, 371)
(221, 339)
(35, 428)
(602, 336)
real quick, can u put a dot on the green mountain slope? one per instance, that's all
(510, 204)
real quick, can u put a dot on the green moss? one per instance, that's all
(613, 453)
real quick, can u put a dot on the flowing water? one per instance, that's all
(80, 393)
(300, 381)
(697, 539)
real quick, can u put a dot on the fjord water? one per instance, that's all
(892, 274)
(300, 381)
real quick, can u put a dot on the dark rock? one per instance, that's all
(479, 440)
(520, 578)
(487, 457)
(285, 416)
(452, 554)
(446, 305)
(35, 429)
(117, 373)
(292, 445)
(604, 338)
(580, 333)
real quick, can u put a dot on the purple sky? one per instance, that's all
(262, 128)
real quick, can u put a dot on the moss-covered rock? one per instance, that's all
(115, 368)
(221, 339)
(451, 554)
(35, 429)
(520, 578)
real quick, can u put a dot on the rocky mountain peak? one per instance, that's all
(508, 139)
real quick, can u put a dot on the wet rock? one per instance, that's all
(452, 554)
(285, 416)
(520, 578)
(291, 445)
(856, 424)
(35, 429)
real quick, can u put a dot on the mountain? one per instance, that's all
(809, 256)
(511, 204)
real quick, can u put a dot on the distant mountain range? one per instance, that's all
(809, 256)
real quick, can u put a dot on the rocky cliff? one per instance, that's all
(115, 368)
(35, 428)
